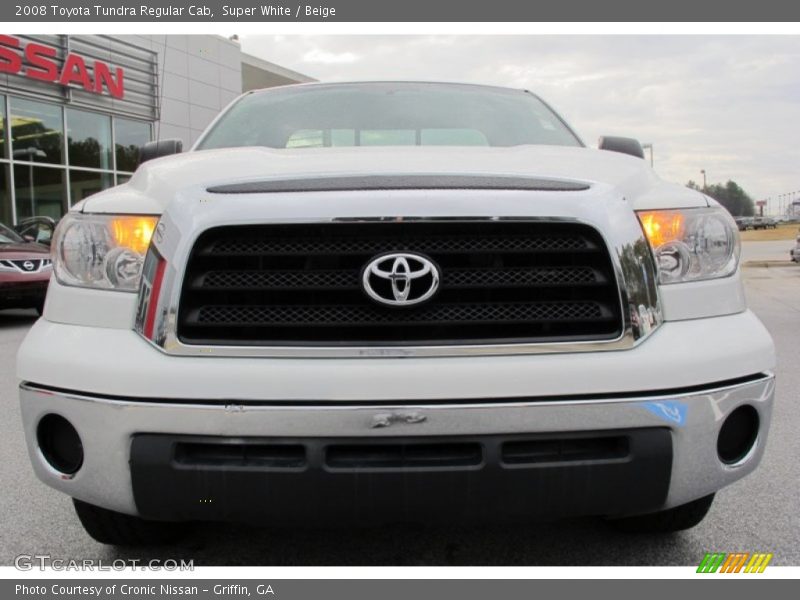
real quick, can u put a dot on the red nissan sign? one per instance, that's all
(38, 62)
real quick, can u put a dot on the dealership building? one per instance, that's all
(74, 109)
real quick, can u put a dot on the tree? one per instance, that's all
(731, 196)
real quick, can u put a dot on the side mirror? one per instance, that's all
(158, 149)
(621, 144)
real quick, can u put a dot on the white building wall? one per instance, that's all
(198, 76)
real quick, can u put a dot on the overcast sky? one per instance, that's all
(726, 104)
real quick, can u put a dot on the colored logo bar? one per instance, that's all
(736, 562)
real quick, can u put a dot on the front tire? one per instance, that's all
(671, 520)
(118, 529)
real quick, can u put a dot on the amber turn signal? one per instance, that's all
(662, 226)
(133, 231)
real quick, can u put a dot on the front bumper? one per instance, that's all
(110, 428)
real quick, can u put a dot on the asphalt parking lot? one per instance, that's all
(759, 513)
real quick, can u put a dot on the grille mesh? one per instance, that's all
(562, 276)
(280, 279)
(443, 244)
(500, 281)
(322, 316)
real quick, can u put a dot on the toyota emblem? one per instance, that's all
(400, 279)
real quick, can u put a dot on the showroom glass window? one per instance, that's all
(88, 139)
(83, 184)
(58, 155)
(3, 128)
(37, 131)
(129, 135)
(5, 192)
(5, 195)
(39, 191)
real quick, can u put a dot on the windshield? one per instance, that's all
(390, 114)
(8, 236)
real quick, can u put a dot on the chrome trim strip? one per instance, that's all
(766, 379)
(630, 254)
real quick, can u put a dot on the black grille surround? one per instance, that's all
(373, 481)
(502, 281)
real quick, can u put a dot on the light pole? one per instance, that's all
(703, 171)
(650, 147)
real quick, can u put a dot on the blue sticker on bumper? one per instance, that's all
(670, 410)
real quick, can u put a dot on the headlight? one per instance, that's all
(102, 251)
(692, 244)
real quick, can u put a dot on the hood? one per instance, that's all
(157, 182)
(23, 250)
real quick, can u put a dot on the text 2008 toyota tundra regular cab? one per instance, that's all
(393, 302)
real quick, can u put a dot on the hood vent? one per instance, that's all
(400, 182)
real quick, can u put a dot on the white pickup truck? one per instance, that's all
(380, 302)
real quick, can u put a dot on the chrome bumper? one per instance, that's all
(106, 427)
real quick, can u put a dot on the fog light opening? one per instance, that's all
(738, 435)
(60, 444)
